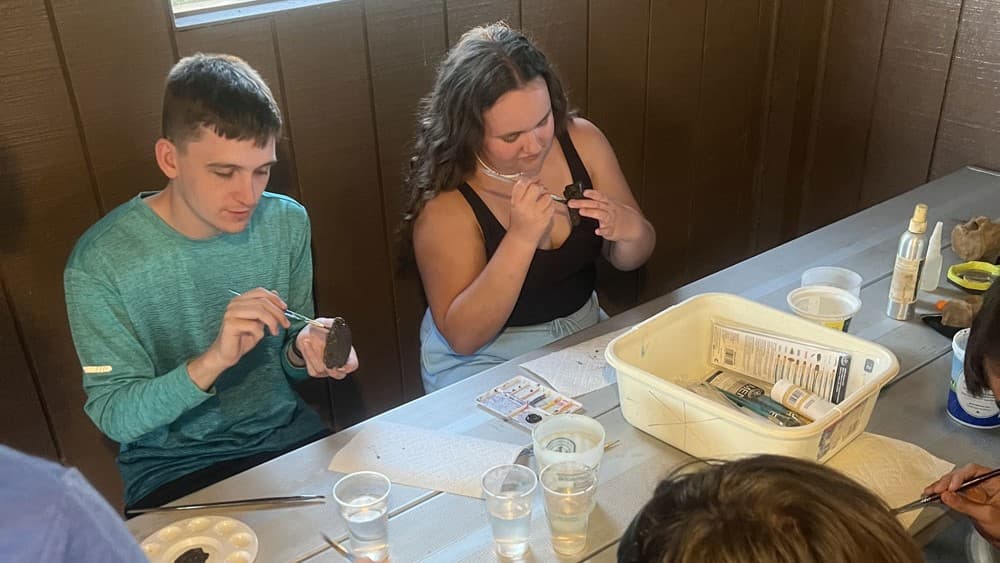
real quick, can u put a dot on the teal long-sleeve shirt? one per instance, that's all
(143, 300)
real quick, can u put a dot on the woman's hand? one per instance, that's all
(531, 212)
(616, 222)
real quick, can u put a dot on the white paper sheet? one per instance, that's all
(422, 458)
(578, 369)
(896, 471)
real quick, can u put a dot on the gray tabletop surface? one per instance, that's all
(432, 526)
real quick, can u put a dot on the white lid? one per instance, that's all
(779, 389)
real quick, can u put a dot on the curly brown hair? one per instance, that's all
(486, 63)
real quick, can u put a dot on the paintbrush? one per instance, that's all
(936, 497)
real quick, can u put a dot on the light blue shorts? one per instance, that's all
(441, 366)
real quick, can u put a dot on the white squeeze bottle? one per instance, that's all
(909, 261)
(799, 399)
(931, 276)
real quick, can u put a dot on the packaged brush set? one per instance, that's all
(782, 403)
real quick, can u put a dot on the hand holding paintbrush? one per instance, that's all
(972, 490)
(323, 346)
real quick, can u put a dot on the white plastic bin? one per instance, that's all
(657, 359)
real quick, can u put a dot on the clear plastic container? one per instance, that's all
(829, 306)
(834, 276)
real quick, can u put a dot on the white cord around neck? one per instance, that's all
(511, 178)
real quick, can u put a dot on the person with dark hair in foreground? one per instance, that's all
(765, 508)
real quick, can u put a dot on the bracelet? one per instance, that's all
(296, 352)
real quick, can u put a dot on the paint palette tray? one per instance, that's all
(526, 402)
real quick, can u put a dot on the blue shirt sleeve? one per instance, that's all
(51, 513)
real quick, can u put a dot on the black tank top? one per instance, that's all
(559, 280)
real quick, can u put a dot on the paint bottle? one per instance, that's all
(799, 400)
(931, 275)
(909, 261)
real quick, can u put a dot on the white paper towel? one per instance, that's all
(578, 369)
(423, 458)
(895, 470)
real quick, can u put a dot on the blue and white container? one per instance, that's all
(963, 407)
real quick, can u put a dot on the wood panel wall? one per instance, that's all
(738, 123)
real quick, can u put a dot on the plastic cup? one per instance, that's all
(829, 306)
(568, 437)
(833, 276)
(362, 498)
(963, 407)
(509, 490)
(569, 488)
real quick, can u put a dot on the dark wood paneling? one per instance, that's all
(324, 65)
(808, 37)
(48, 201)
(463, 15)
(253, 41)
(792, 77)
(916, 55)
(117, 53)
(559, 28)
(970, 129)
(618, 39)
(836, 160)
(406, 40)
(672, 94)
(21, 413)
(763, 77)
(721, 223)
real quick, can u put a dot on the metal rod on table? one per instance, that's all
(339, 548)
(229, 503)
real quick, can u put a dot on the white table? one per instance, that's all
(433, 526)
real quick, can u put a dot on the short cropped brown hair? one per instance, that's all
(766, 509)
(222, 93)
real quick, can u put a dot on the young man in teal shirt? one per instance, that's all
(195, 383)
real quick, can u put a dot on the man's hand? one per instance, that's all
(247, 320)
(311, 341)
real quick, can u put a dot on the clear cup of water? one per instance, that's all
(568, 437)
(362, 498)
(569, 487)
(509, 490)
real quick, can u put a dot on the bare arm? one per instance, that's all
(629, 237)
(471, 298)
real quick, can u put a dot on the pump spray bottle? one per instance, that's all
(909, 261)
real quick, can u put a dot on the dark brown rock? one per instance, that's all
(338, 344)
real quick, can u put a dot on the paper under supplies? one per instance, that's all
(770, 357)
(526, 402)
(576, 370)
(658, 361)
(895, 470)
(423, 458)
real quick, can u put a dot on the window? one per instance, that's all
(188, 6)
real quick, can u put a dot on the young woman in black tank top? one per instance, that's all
(504, 268)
